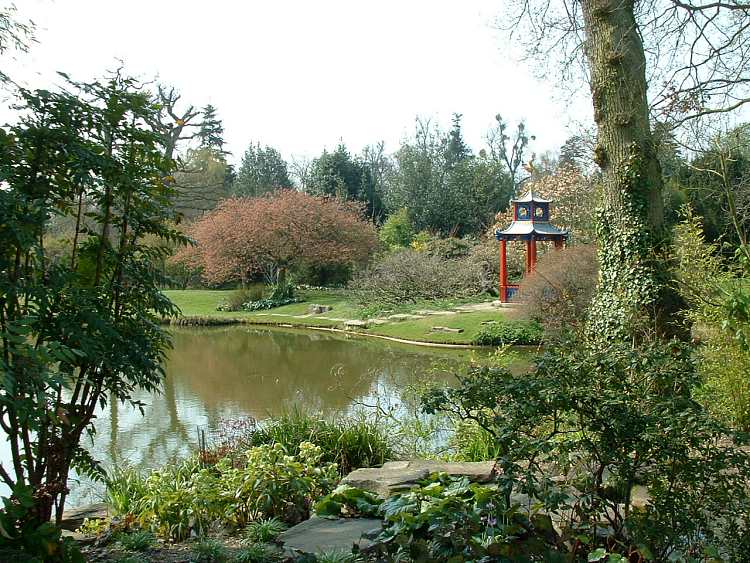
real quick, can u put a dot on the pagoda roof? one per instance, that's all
(542, 229)
(531, 195)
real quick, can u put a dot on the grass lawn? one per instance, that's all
(202, 303)
(420, 329)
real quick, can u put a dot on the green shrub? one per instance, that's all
(446, 519)
(471, 442)
(337, 556)
(397, 231)
(724, 367)
(123, 485)
(209, 551)
(94, 526)
(251, 299)
(421, 240)
(263, 531)
(349, 442)
(508, 332)
(585, 427)
(23, 540)
(712, 291)
(257, 553)
(187, 498)
(137, 541)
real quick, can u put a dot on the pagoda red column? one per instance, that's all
(503, 286)
(528, 256)
(533, 254)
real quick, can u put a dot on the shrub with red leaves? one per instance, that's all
(244, 237)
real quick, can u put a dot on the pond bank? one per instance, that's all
(208, 322)
(455, 324)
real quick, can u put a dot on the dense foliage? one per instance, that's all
(446, 519)
(588, 427)
(78, 327)
(349, 442)
(507, 332)
(397, 230)
(245, 237)
(339, 174)
(709, 286)
(262, 171)
(446, 188)
(190, 498)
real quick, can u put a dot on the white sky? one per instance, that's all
(302, 74)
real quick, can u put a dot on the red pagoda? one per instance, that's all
(531, 224)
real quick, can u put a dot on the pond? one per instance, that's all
(214, 374)
(225, 373)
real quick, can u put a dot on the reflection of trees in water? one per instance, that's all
(264, 371)
(161, 433)
(235, 371)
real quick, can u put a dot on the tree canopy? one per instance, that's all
(445, 187)
(261, 171)
(341, 175)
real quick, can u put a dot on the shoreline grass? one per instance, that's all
(199, 308)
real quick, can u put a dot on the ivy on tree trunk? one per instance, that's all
(633, 292)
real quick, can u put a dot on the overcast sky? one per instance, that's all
(302, 74)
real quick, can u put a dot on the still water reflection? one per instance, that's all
(230, 372)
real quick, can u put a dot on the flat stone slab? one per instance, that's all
(74, 517)
(318, 535)
(384, 481)
(316, 309)
(472, 307)
(446, 329)
(356, 324)
(396, 476)
(404, 317)
(476, 471)
(431, 312)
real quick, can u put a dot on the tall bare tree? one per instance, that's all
(694, 56)
(175, 124)
(202, 171)
(509, 150)
(301, 171)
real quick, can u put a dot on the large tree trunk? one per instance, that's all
(633, 293)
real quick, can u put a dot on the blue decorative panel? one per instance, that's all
(523, 212)
(541, 212)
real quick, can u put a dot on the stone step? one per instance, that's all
(319, 535)
(404, 317)
(396, 476)
(74, 517)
